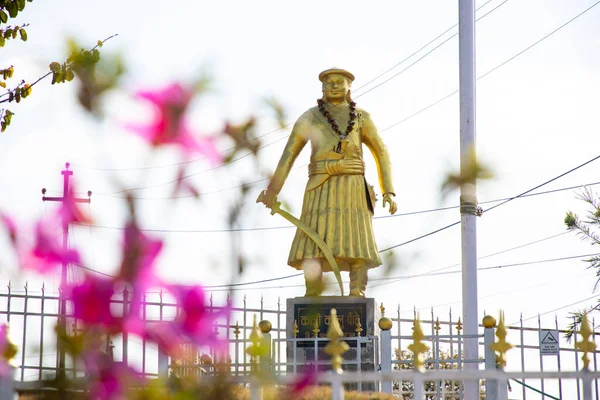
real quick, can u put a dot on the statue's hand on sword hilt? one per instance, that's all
(269, 199)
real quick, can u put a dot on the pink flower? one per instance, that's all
(195, 322)
(47, 252)
(109, 380)
(139, 255)
(70, 212)
(169, 125)
(303, 381)
(91, 301)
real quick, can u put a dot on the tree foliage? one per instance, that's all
(588, 230)
(80, 61)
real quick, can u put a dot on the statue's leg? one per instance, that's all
(313, 278)
(358, 279)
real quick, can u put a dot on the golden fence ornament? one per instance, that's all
(585, 345)
(385, 324)
(316, 330)
(437, 326)
(295, 329)
(359, 328)
(459, 326)
(417, 346)
(237, 331)
(335, 348)
(255, 350)
(501, 346)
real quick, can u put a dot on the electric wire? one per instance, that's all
(484, 257)
(495, 68)
(428, 53)
(556, 309)
(522, 264)
(283, 127)
(375, 218)
(493, 207)
(284, 137)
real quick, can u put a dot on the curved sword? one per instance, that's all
(276, 209)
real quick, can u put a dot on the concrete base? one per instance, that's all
(357, 316)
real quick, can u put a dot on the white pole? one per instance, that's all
(468, 200)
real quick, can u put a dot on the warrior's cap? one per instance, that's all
(340, 71)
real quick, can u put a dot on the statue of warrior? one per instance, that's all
(338, 203)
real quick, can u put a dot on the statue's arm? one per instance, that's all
(372, 140)
(295, 144)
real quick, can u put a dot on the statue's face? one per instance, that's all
(335, 87)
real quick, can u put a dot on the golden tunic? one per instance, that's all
(336, 203)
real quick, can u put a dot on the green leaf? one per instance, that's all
(15, 32)
(7, 33)
(2, 40)
(13, 10)
(21, 4)
(3, 16)
(95, 55)
(23, 34)
(70, 75)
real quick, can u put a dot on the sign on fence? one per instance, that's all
(549, 342)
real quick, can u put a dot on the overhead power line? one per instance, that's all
(426, 54)
(271, 143)
(269, 228)
(491, 208)
(493, 69)
(281, 128)
(527, 263)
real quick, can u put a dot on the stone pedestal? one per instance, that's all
(312, 314)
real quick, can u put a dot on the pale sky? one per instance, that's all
(537, 117)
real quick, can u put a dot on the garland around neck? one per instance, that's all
(333, 124)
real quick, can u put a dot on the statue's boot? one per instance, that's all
(358, 280)
(314, 286)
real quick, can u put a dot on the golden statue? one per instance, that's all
(338, 203)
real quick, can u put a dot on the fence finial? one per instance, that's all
(316, 330)
(385, 324)
(237, 331)
(459, 326)
(501, 346)
(437, 326)
(10, 349)
(255, 350)
(295, 329)
(586, 345)
(359, 328)
(417, 346)
(335, 348)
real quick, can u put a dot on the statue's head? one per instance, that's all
(336, 85)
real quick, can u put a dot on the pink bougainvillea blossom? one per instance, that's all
(70, 212)
(137, 267)
(194, 324)
(91, 301)
(308, 378)
(47, 252)
(139, 254)
(110, 380)
(169, 125)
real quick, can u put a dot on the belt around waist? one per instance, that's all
(352, 166)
